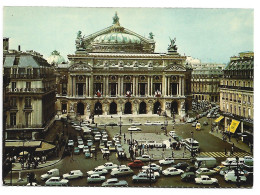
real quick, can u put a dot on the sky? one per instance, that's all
(211, 35)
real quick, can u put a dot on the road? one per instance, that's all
(208, 143)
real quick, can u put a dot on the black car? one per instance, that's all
(181, 165)
(191, 169)
(188, 176)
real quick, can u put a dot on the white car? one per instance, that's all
(85, 149)
(231, 177)
(56, 181)
(81, 146)
(109, 143)
(104, 139)
(108, 166)
(105, 151)
(135, 123)
(70, 143)
(148, 123)
(204, 179)
(73, 174)
(122, 171)
(152, 166)
(97, 137)
(114, 182)
(134, 128)
(50, 173)
(144, 158)
(172, 171)
(156, 174)
(98, 171)
(118, 167)
(95, 178)
(166, 161)
(157, 123)
(80, 141)
(205, 171)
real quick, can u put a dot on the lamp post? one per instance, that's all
(120, 125)
(192, 152)
(149, 172)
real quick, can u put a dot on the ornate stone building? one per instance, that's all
(237, 95)
(205, 82)
(115, 71)
(30, 92)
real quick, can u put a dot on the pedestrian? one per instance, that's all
(172, 154)
(232, 149)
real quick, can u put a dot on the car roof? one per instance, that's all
(112, 179)
(204, 176)
(55, 178)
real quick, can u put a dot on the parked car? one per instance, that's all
(191, 169)
(148, 123)
(232, 162)
(89, 142)
(93, 149)
(95, 178)
(205, 123)
(134, 128)
(87, 154)
(76, 150)
(85, 148)
(70, 143)
(102, 145)
(112, 148)
(97, 170)
(231, 176)
(73, 174)
(56, 181)
(105, 151)
(172, 171)
(109, 143)
(181, 165)
(122, 171)
(108, 166)
(136, 164)
(143, 177)
(204, 179)
(157, 123)
(218, 168)
(156, 174)
(97, 137)
(118, 167)
(188, 176)
(166, 161)
(50, 173)
(144, 158)
(81, 146)
(153, 166)
(114, 182)
(135, 123)
(80, 141)
(205, 171)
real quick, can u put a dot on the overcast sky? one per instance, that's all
(211, 35)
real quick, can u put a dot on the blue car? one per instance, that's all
(76, 150)
(87, 154)
(89, 142)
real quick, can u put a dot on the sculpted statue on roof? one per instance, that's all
(115, 18)
(172, 46)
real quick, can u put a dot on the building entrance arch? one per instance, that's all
(157, 108)
(174, 107)
(142, 108)
(128, 108)
(80, 108)
(113, 108)
(98, 108)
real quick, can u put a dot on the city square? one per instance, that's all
(117, 113)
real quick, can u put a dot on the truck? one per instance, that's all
(205, 162)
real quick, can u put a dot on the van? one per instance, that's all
(191, 144)
(50, 173)
(205, 162)
(231, 162)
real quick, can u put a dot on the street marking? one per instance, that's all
(222, 154)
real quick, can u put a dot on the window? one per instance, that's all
(239, 111)
(249, 99)
(235, 110)
(248, 85)
(28, 102)
(28, 86)
(13, 102)
(12, 119)
(244, 112)
(249, 113)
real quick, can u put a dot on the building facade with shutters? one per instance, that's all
(237, 95)
(116, 71)
(30, 93)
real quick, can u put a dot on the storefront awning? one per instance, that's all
(219, 119)
(24, 144)
(233, 126)
(44, 147)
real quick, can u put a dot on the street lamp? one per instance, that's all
(192, 152)
(149, 172)
(120, 125)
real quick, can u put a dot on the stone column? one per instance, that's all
(183, 86)
(74, 86)
(179, 87)
(148, 85)
(69, 87)
(91, 86)
(151, 86)
(137, 94)
(119, 86)
(168, 86)
(87, 87)
(104, 86)
(133, 85)
(163, 85)
(122, 85)
(107, 86)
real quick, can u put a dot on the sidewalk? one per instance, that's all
(241, 145)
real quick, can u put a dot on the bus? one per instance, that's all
(191, 144)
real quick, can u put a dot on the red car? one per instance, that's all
(136, 164)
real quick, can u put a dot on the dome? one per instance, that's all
(55, 58)
(117, 38)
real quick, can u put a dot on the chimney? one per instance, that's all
(6, 43)
(19, 47)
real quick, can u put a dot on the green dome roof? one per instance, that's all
(117, 38)
(55, 58)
